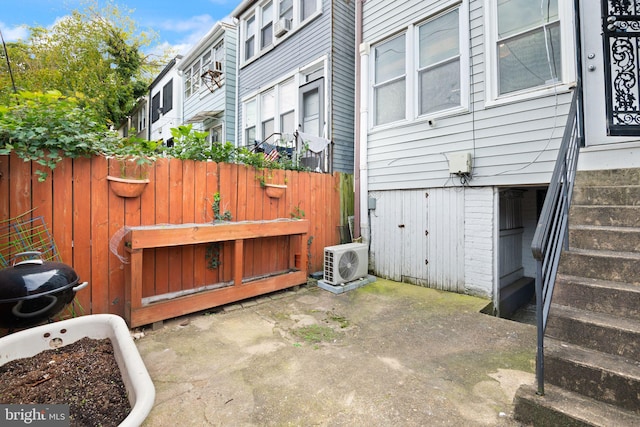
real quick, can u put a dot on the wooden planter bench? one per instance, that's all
(137, 312)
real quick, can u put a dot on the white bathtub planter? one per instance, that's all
(140, 390)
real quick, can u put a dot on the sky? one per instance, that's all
(180, 23)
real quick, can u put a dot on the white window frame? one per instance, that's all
(298, 79)
(256, 13)
(412, 63)
(566, 51)
(404, 77)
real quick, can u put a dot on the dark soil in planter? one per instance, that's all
(84, 375)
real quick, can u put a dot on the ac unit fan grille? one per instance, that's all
(348, 265)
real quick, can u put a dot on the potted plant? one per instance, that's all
(273, 190)
(129, 162)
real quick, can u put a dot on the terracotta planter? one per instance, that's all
(126, 187)
(275, 191)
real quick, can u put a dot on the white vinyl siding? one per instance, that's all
(511, 143)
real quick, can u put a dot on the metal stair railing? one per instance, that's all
(552, 230)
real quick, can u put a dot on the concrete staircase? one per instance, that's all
(592, 341)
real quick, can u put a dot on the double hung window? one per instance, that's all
(266, 33)
(439, 63)
(390, 89)
(528, 44)
(422, 71)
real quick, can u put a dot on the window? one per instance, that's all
(308, 8)
(250, 35)
(215, 134)
(287, 106)
(422, 72)
(528, 48)
(167, 97)
(192, 79)
(250, 121)
(218, 53)
(187, 83)
(266, 33)
(206, 60)
(286, 9)
(389, 90)
(195, 77)
(155, 107)
(142, 119)
(439, 63)
(267, 114)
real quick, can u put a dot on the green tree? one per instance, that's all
(97, 52)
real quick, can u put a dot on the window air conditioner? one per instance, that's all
(282, 26)
(345, 263)
(216, 67)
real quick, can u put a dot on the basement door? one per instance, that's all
(418, 237)
(611, 71)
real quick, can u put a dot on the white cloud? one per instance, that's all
(14, 34)
(189, 31)
(200, 23)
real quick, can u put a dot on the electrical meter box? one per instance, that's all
(460, 163)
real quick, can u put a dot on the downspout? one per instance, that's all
(237, 132)
(358, 148)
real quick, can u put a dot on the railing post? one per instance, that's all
(540, 330)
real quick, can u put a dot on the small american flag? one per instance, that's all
(272, 156)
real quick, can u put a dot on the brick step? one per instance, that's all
(601, 296)
(629, 176)
(559, 407)
(615, 216)
(604, 265)
(627, 195)
(624, 239)
(604, 377)
(596, 331)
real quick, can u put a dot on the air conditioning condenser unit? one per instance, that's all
(345, 263)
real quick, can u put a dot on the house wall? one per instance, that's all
(511, 143)
(329, 36)
(343, 83)
(309, 43)
(161, 128)
(221, 99)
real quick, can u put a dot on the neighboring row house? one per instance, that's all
(282, 77)
(296, 77)
(165, 106)
(209, 84)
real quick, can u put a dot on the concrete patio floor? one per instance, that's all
(386, 354)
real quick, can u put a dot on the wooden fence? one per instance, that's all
(85, 218)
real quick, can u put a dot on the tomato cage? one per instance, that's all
(26, 234)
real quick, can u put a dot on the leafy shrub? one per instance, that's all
(45, 127)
